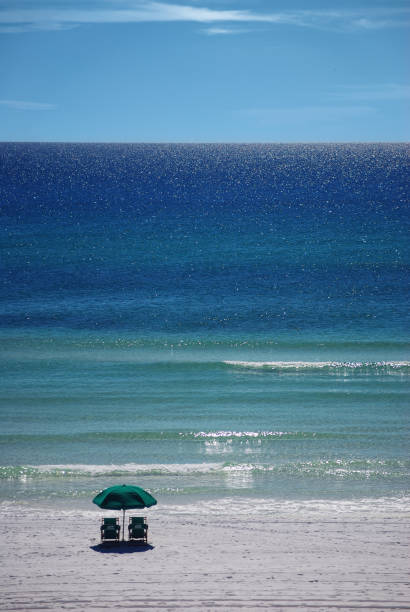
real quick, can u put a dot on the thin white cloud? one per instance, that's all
(123, 12)
(23, 15)
(24, 105)
(303, 114)
(365, 23)
(222, 31)
(349, 102)
(351, 20)
(35, 27)
(386, 91)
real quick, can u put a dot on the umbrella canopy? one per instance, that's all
(124, 497)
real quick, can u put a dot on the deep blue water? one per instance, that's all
(204, 319)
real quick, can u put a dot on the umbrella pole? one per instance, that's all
(123, 523)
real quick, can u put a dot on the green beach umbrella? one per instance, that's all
(124, 497)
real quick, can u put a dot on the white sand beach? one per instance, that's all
(52, 561)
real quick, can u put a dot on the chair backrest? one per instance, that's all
(110, 521)
(137, 520)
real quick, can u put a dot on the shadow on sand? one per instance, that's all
(121, 548)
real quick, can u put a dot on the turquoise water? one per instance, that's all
(209, 322)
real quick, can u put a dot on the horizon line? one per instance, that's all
(201, 142)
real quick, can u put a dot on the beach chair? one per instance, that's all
(138, 529)
(110, 530)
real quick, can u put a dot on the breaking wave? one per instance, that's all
(384, 367)
(136, 436)
(337, 468)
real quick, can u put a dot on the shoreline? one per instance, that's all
(53, 561)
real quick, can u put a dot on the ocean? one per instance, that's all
(225, 325)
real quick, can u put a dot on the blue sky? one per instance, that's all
(204, 70)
